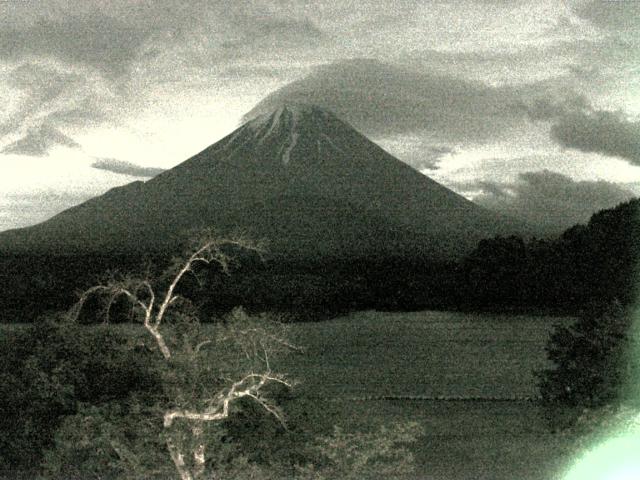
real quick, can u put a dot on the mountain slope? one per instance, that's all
(301, 177)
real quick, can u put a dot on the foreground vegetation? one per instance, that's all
(456, 355)
(346, 365)
(380, 393)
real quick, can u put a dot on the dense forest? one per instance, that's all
(593, 263)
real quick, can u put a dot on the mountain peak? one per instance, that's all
(292, 115)
(291, 126)
(300, 109)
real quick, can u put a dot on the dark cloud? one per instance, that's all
(38, 141)
(491, 189)
(125, 168)
(550, 200)
(431, 156)
(43, 83)
(40, 87)
(608, 133)
(383, 99)
(521, 66)
(549, 107)
(253, 36)
(97, 40)
(618, 16)
(112, 37)
(86, 113)
(584, 72)
(576, 124)
(259, 27)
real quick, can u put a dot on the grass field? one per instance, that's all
(438, 354)
(427, 353)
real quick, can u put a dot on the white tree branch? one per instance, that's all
(253, 342)
(199, 346)
(223, 401)
(178, 461)
(198, 452)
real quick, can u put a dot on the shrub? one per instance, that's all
(382, 454)
(48, 370)
(591, 365)
(114, 440)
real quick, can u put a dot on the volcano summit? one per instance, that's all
(300, 177)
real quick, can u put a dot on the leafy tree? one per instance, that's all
(494, 271)
(591, 362)
(594, 263)
(50, 370)
(113, 440)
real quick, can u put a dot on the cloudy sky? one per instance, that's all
(530, 107)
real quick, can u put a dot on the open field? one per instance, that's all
(437, 354)
(433, 354)
(465, 440)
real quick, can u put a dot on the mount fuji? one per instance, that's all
(300, 177)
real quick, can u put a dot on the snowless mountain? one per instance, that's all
(300, 177)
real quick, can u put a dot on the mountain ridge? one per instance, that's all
(296, 157)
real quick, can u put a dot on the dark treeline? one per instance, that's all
(588, 264)
(593, 263)
(33, 285)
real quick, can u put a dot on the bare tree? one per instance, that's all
(240, 351)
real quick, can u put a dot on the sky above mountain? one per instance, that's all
(523, 106)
